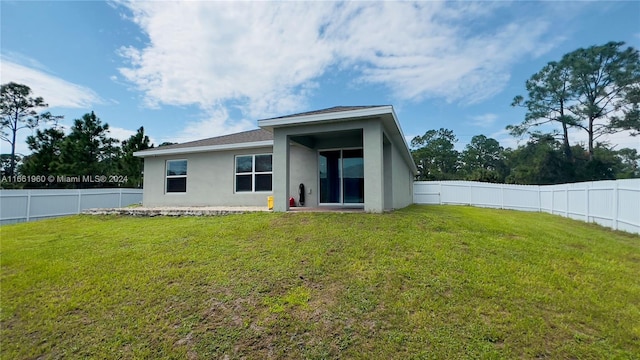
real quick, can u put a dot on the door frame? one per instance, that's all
(341, 203)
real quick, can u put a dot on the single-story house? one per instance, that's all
(345, 156)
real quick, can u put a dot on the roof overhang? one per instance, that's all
(385, 113)
(334, 116)
(198, 149)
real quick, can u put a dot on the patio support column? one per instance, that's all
(280, 181)
(373, 167)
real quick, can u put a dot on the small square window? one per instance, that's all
(244, 183)
(263, 182)
(177, 184)
(176, 176)
(263, 163)
(176, 167)
(244, 164)
(254, 173)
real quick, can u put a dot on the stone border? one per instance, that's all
(174, 211)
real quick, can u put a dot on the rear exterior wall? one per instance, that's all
(211, 179)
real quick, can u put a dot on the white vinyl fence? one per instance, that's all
(26, 205)
(615, 203)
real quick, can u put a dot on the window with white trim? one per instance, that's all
(176, 177)
(253, 173)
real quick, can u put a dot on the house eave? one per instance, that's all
(269, 124)
(199, 149)
(403, 140)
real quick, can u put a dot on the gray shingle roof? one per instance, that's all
(254, 135)
(329, 110)
(241, 137)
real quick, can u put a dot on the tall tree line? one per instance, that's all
(19, 110)
(542, 160)
(86, 155)
(593, 90)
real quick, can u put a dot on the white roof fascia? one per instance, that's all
(190, 150)
(407, 154)
(336, 116)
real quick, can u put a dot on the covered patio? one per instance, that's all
(357, 156)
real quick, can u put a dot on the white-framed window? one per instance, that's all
(176, 176)
(254, 173)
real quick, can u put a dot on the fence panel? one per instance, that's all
(523, 198)
(613, 203)
(130, 196)
(601, 203)
(55, 203)
(576, 202)
(628, 213)
(426, 192)
(487, 195)
(14, 204)
(455, 192)
(27, 205)
(94, 200)
(559, 200)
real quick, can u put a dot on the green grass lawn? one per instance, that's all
(437, 282)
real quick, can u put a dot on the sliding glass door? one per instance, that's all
(341, 176)
(352, 177)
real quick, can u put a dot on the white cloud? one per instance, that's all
(619, 140)
(123, 134)
(624, 139)
(120, 134)
(215, 123)
(205, 53)
(408, 138)
(428, 50)
(269, 56)
(21, 145)
(484, 120)
(55, 91)
(506, 140)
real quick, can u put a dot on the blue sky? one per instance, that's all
(191, 70)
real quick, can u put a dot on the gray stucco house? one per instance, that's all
(353, 156)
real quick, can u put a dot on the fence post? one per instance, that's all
(586, 196)
(28, 204)
(79, 201)
(440, 193)
(539, 198)
(615, 206)
(502, 196)
(566, 201)
(120, 199)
